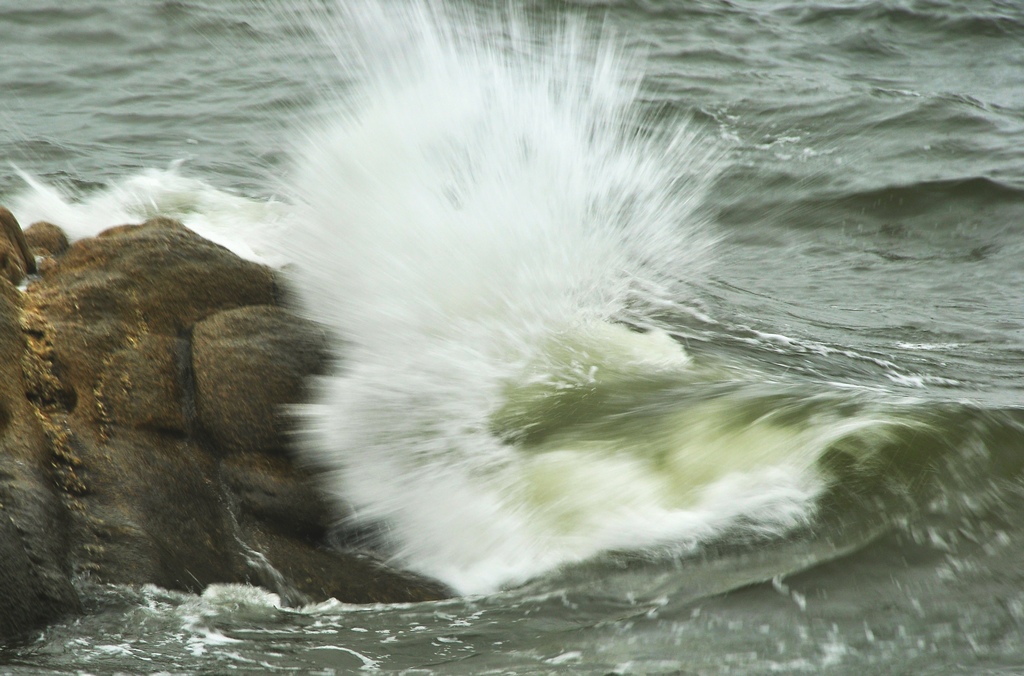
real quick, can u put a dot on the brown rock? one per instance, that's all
(12, 265)
(106, 370)
(249, 362)
(155, 368)
(314, 573)
(276, 494)
(157, 278)
(153, 511)
(11, 230)
(35, 573)
(46, 239)
(285, 520)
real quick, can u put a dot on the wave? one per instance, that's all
(948, 19)
(496, 245)
(889, 208)
(920, 197)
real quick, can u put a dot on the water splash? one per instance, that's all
(490, 230)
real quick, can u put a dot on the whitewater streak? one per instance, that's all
(490, 231)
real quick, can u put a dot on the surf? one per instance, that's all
(495, 230)
(250, 228)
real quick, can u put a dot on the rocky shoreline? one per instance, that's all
(141, 435)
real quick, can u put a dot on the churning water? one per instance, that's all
(678, 336)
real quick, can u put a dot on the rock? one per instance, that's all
(286, 520)
(46, 239)
(158, 278)
(35, 572)
(108, 328)
(11, 230)
(277, 495)
(142, 437)
(248, 362)
(314, 573)
(149, 510)
(12, 265)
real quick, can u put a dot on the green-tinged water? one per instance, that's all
(814, 465)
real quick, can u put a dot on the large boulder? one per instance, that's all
(143, 429)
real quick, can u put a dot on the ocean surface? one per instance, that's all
(679, 337)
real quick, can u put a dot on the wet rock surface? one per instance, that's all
(142, 438)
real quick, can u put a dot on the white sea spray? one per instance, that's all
(483, 215)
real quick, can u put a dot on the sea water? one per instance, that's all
(676, 337)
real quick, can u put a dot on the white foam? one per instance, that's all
(245, 226)
(478, 213)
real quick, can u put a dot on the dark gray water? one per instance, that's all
(871, 215)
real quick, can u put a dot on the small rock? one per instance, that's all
(46, 239)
